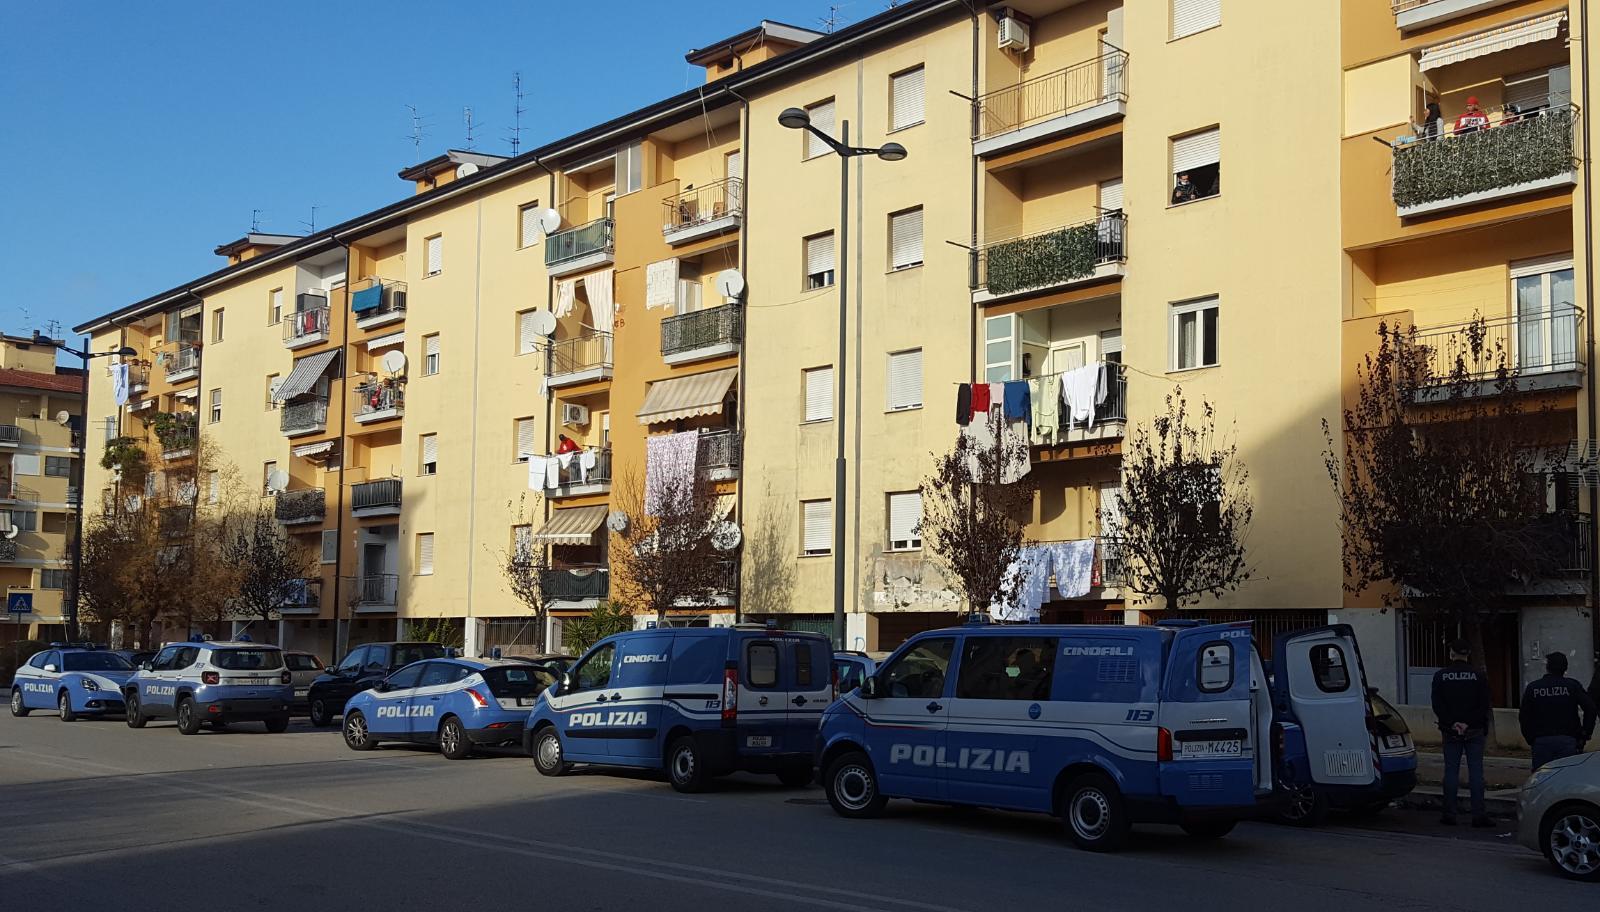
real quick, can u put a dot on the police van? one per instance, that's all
(1103, 726)
(697, 702)
(212, 682)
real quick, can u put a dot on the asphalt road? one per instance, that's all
(98, 816)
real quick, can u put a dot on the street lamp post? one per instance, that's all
(798, 119)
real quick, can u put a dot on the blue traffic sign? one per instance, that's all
(19, 603)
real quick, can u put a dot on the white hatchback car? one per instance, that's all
(1558, 813)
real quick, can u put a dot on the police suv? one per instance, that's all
(74, 679)
(697, 702)
(454, 703)
(215, 682)
(1102, 726)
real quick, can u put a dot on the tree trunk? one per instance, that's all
(1472, 630)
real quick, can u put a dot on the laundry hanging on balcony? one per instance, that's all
(307, 371)
(1045, 397)
(993, 430)
(1082, 390)
(1515, 35)
(669, 472)
(566, 294)
(661, 284)
(367, 298)
(1069, 563)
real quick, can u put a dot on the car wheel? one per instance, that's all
(547, 753)
(17, 709)
(1094, 813)
(453, 740)
(1208, 829)
(64, 707)
(797, 775)
(356, 736)
(321, 716)
(1307, 807)
(188, 719)
(278, 724)
(685, 770)
(135, 718)
(1570, 836)
(851, 785)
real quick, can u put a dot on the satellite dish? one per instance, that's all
(617, 521)
(466, 169)
(277, 481)
(544, 322)
(12, 532)
(726, 536)
(730, 284)
(394, 362)
(62, 417)
(549, 221)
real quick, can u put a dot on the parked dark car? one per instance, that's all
(361, 668)
(553, 662)
(137, 657)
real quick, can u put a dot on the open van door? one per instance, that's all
(1205, 709)
(1318, 679)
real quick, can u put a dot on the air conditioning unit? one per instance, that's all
(577, 415)
(397, 299)
(1013, 34)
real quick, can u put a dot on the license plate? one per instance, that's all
(527, 701)
(1203, 750)
(758, 741)
(301, 691)
(1394, 741)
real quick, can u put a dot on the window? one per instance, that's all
(407, 677)
(816, 527)
(761, 665)
(184, 325)
(301, 662)
(330, 545)
(1547, 323)
(919, 672)
(430, 355)
(821, 118)
(216, 406)
(424, 553)
(804, 676)
(528, 224)
(905, 380)
(1194, 334)
(25, 520)
(267, 468)
(1191, 16)
(819, 261)
(58, 466)
(1196, 168)
(689, 298)
(528, 337)
(818, 393)
(630, 168)
(54, 523)
(905, 516)
(355, 661)
(52, 579)
(438, 674)
(595, 671)
(1329, 668)
(273, 381)
(275, 305)
(216, 325)
(25, 464)
(527, 431)
(905, 99)
(213, 486)
(905, 239)
(430, 454)
(1215, 670)
(435, 251)
(1006, 668)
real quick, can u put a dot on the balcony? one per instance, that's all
(183, 364)
(375, 498)
(1110, 421)
(587, 472)
(719, 454)
(293, 508)
(374, 592)
(301, 596)
(309, 416)
(138, 378)
(724, 592)
(379, 400)
(1110, 563)
(701, 334)
(576, 584)
(581, 359)
(693, 215)
(1410, 15)
(378, 303)
(10, 435)
(177, 441)
(175, 521)
(580, 248)
(1090, 251)
(1068, 100)
(11, 492)
(1540, 350)
(305, 328)
(1517, 155)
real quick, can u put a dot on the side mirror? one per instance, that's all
(147, 666)
(870, 688)
(51, 667)
(379, 686)
(564, 682)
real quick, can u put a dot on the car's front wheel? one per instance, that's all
(188, 718)
(64, 707)
(356, 736)
(17, 709)
(685, 768)
(453, 740)
(1570, 837)
(851, 785)
(548, 758)
(278, 724)
(135, 716)
(321, 714)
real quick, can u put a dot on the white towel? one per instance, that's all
(552, 472)
(566, 294)
(661, 284)
(1073, 565)
(1015, 454)
(536, 472)
(1033, 590)
(1078, 393)
(119, 383)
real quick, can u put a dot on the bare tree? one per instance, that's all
(1442, 504)
(664, 557)
(269, 564)
(1185, 510)
(523, 565)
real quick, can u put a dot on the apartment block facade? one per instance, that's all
(1168, 195)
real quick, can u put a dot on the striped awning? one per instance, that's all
(398, 338)
(307, 371)
(312, 449)
(687, 397)
(575, 526)
(724, 508)
(1504, 38)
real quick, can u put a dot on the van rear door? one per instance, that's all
(810, 691)
(763, 716)
(1319, 678)
(1205, 707)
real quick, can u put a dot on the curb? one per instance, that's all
(1499, 805)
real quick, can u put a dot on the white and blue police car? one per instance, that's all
(74, 679)
(211, 682)
(1103, 726)
(454, 703)
(697, 702)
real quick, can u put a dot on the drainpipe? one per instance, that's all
(549, 403)
(972, 248)
(744, 317)
(1589, 341)
(344, 414)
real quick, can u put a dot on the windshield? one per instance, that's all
(94, 661)
(517, 681)
(406, 653)
(297, 662)
(247, 659)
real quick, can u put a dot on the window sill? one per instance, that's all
(1209, 28)
(1203, 199)
(906, 268)
(827, 287)
(1190, 370)
(826, 554)
(904, 408)
(908, 126)
(916, 550)
(429, 275)
(811, 421)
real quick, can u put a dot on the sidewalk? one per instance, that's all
(1502, 776)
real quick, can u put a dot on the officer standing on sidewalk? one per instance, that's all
(1461, 704)
(1557, 714)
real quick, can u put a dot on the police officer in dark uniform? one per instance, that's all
(1461, 704)
(1557, 714)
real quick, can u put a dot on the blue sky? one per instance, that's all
(138, 136)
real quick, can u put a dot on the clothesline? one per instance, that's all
(1122, 366)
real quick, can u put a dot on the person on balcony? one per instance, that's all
(1184, 191)
(1433, 124)
(1472, 119)
(566, 445)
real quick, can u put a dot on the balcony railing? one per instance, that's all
(1110, 416)
(1111, 562)
(703, 206)
(10, 433)
(1517, 153)
(305, 506)
(8, 550)
(376, 588)
(178, 443)
(379, 399)
(719, 450)
(305, 417)
(1570, 536)
(138, 378)
(1042, 98)
(182, 364)
(1539, 351)
(1414, 14)
(305, 327)
(577, 243)
(588, 355)
(376, 495)
(576, 584)
(575, 475)
(701, 329)
(378, 302)
(11, 491)
(302, 595)
(1055, 257)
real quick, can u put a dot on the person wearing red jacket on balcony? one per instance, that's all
(1472, 119)
(567, 445)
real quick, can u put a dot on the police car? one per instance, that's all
(697, 702)
(215, 682)
(1101, 726)
(454, 703)
(74, 679)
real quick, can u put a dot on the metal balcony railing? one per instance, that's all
(385, 492)
(303, 416)
(1572, 531)
(376, 588)
(376, 298)
(178, 442)
(379, 396)
(580, 353)
(302, 593)
(1516, 148)
(719, 450)
(1109, 415)
(10, 433)
(1111, 562)
(573, 243)
(1052, 257)
(10, 490)
(1082, 85)
(308, 505)
(575, 474)
(576, 583)
(1540, 343)
(727, 578)
(705, 203)
(700, 329)
(305, 324)
(138, 377)
(182, 360)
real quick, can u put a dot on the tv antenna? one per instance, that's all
(833, 20)
(516, 114)
(52, 328)
(311, 226)
(255, 220)
(466, 116)
(418, 131)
